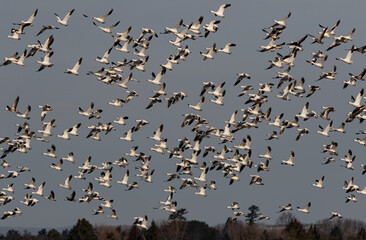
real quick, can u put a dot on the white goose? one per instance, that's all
(128, 135)
(46, 62)
(69, 158)
(226, 49)
(40, 190)
(57, 166)
(65, 19)
(157, 77)
(325, 131)
(104, 59)
(220, 12)
(141, 222)
(210, 52)
(75, 69)
(305, 209)
(25, 114)
(51, 152)
(198, 106)
(31, 184)
(290, 161)
(66, 185)
(157, 134)
(347, 59)
(121, 120)
(267, 155)
(74, 129)
(357, 101)
(102, 18)
(65, 134)
(20, 60)
(124, 47)
(107, 29)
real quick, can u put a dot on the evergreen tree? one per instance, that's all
(154, 232)
(83, 230)
(336, 233)
(135, 233)
(54, 235)
(13, 235)
(313, 233)
(295, 229)
(253, 214)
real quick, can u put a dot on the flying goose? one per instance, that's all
(102, 18)
(210, 52)
(20, 60)
(305, 209)
(40, 190)
(198, 105)
(281, 22)
(51, 152)
(44, 28)
(347, 59)
(325, 131)
(30, 19)
(267, 155)
(113, 215)
(107, 29)
(26, 113)
(13, 107)
(69, 158)
(255, 179)
(104, 59)
(45, 109)
(174, 29)
(124, 47)
(75, 69)
(8, 60)
(65, 134)
(284, 208)
(45, 62)
(357, 101)
(66, 18)
(219, 99)
(334, 214)
(57, 166)
(290, 161)
(66, 184)
(195, 27)
(71, 198)
(128, 135)
(211, 27)
(220, 12)
(141, 222)
(351, 198)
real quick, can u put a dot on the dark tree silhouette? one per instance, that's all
(83, 230)
(253, 214)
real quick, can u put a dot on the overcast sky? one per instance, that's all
(242, 25)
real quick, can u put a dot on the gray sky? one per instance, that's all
(242, 26)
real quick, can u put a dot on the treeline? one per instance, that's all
(178, 228)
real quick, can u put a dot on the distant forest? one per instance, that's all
(177, 227)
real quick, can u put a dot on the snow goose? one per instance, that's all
(195, 27)
(57, 166)
(202, 191)
(237, 215)
(104, 59)
(305, 209)
(113, 215)
(44, 28)
(267, 155)
(102, 18)
(281, 22)
(51, 152)
(320, 63)
(20, 60)
(25, 114)
(290, 161)
(128, 135)
(220, 12)
(13, 107)
(30, 19)
(284, 208)
(347, 59)
(141, 222)
(65, 19)
(117, 103)
(65, 134)
(71, 198)
(45, 109)
(124, 47)
(219, 99)
(335, 214)
(357, 101)
(211, 27)
(157, 134)
(69, 158)
(66, 184)
(40, 190)
(198, 105)
(174, 29)
(45, 62)
(363, 191)
(325, 131)
(210, 52)
(255, 179)
(9, 188)
(217, 90)
(157, 77)
(107, 29)
(351, 198)
(8, 60)
(75, 69)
